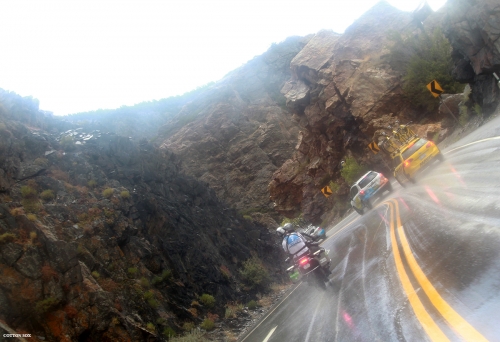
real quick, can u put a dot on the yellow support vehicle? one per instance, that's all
(412, 157)
(409, 153)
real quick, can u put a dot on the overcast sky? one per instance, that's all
(76, 55)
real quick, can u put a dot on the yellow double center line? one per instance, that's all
(456, 322)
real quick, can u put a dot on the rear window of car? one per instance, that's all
(396, 161)
(354, 191)
(416, 146)
(369, 177)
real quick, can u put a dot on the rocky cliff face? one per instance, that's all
(237, 133)
(272, 133)
(338, 93)
(473, 29)
(342, 93)
(106, 240)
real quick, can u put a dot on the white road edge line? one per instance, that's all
(269, 314)
(308, 335)
(472, 143)
(270, 334)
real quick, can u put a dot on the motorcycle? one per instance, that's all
(314, 267)
(316, 233)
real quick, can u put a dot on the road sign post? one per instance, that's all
(436, 91)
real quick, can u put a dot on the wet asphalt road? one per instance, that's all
(423, 265)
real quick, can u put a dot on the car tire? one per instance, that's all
(389, 187)
(401, 183)
(368, 204)
(358, 211)
(411, 180)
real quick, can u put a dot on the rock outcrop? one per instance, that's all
(237, 133)
(342, 93)
(107, 240)
(473, 29)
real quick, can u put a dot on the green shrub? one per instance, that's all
(435, 137)
(95, 274)
(352, 170)
(132, 271)
(169, 333)
(161, 321)
(207, 324)
(153, 303)
(7, 237)
(195, 335)
(108, 212)
(188, 326)
(423, 58)
(41, 162)
(28, 192)
(31, 217)
(150, 326)
(92, 183)
(207, 300)
(463, 115)
(165, 275)
(252, 305)
(144, 282)
(46, 305)
(47, 195)
(335, 187)
(254, 273)
(229, 312)
(108, 192)
(67, 143)
(296, 222)
(80, 249)
(477, 109)
(31, 205)
(125, 194)
(149, 295)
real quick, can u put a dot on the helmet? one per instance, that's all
(280, 231)
(288, 227)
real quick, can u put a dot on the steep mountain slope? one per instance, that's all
(238, 132)
(273, 132)
(106, 240)
(342, 93)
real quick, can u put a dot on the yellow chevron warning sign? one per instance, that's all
(374, 147)
(435, 88)
(326, 191)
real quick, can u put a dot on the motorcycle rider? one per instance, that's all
(294, 243)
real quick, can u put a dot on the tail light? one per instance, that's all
(303, 261)
(429, 144)
(362, 192)
(407, 162)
